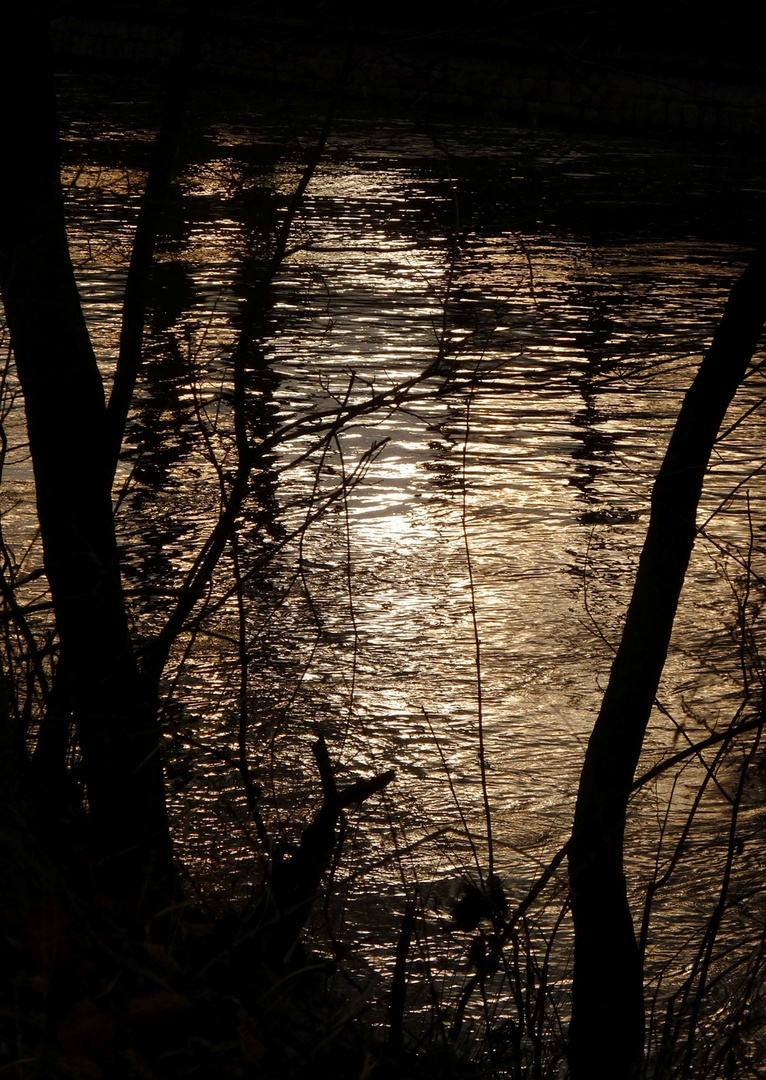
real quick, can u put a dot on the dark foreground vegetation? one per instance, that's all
(111, 967)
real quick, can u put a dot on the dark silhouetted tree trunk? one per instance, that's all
(67, 424)
(607, 1032)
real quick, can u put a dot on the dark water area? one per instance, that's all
(572, 283)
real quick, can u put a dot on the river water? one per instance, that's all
(572, 283)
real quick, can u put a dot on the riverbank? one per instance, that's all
(423, 74)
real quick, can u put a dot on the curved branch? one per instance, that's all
(607, 1006)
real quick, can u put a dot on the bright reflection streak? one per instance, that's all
(583, 363)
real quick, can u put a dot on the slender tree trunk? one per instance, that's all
(162, 169)
(607, 1032)
(67, 425)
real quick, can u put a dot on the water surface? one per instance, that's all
(572, 285)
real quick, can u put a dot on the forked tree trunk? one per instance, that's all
(607, 1031)
(66, 419)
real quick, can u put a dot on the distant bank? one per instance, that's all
(481, 80)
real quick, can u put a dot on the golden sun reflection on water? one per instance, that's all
(361, 627)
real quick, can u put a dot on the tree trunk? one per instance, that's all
(66, 420)
(607, 1032)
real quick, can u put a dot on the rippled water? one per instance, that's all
(580, 280)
